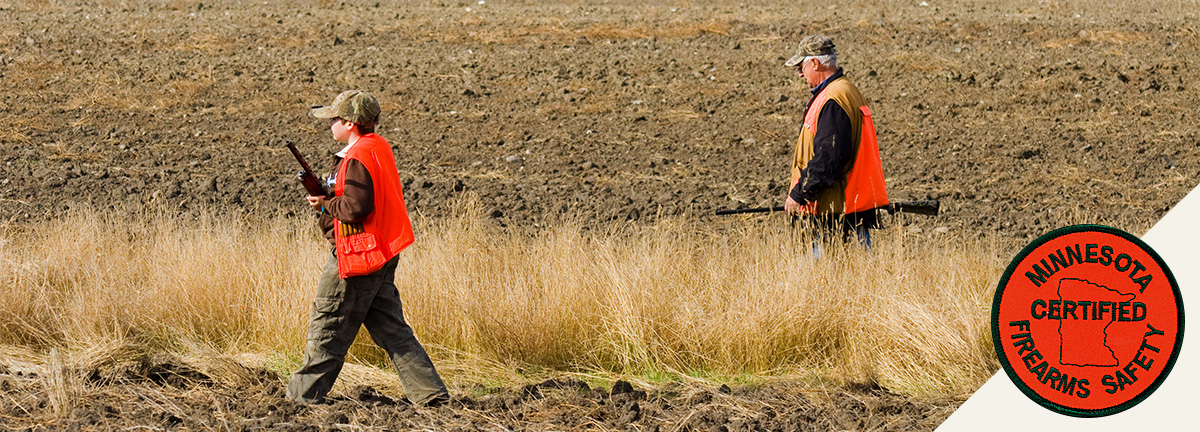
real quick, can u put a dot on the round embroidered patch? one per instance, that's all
(1087, 320)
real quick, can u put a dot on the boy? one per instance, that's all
(367, 223)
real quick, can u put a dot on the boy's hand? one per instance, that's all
(316, 202)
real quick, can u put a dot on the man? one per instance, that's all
(836, 172)
(367, 223)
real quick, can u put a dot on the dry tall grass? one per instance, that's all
(667, 300)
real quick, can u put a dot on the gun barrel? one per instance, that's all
(306, 175)
(296, 153)
(750, 210)
(927, 207)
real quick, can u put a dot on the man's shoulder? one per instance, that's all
(846, 94)
(842, 84)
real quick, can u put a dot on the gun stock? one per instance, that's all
(306, 175)
(927, 207)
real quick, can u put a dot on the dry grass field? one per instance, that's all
(671, 302)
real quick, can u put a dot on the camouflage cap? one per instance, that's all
(812, 45)
(353, 106)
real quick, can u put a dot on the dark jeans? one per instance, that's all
(834, 227)
(341, 306)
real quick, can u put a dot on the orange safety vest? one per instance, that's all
(364, 247)
(864, 188)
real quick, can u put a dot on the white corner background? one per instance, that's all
(1000, 406)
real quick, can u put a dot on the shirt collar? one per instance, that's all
(835, 75)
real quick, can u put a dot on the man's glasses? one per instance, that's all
(800, 65)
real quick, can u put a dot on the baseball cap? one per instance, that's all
(353, 106)
(811, 45)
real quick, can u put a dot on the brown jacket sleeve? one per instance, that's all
(356, 201)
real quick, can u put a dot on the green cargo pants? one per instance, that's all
(341, 306)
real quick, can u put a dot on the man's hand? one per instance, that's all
(316, 202)
(792, 207)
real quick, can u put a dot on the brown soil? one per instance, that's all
(161, 394)
(1019, 116)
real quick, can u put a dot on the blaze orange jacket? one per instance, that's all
(859, 185)
(364, 247)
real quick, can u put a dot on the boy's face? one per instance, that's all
(340, 129)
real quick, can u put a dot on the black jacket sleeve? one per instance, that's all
(832, 151)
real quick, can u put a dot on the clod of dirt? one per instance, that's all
(336, 418)
(870, 387)
(167, 419)
(621, 387)
(531, 392)
(504, 401)
(564, 383)
(536, 391)
(624, 393)
(160, 369)
(632, 412)
(167, 370)
(369, 395)
(700, 398)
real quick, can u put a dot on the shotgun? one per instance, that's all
(927, 207)
(306, 175)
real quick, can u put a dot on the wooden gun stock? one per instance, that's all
(927, 207)
(306, 175)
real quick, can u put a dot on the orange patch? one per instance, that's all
(1087, 321)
